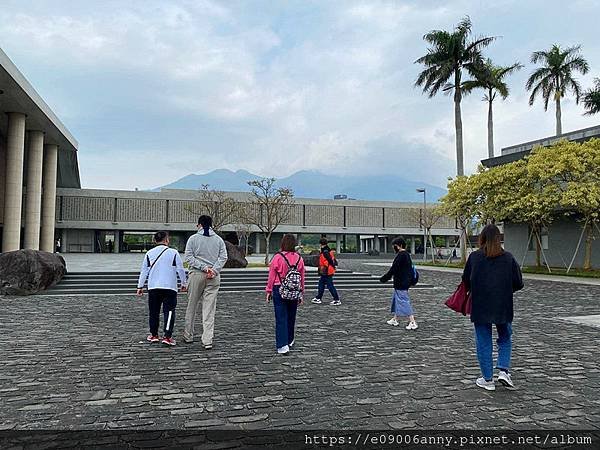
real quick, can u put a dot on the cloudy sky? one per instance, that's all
(155, 90)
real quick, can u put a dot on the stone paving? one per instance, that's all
(71, 363)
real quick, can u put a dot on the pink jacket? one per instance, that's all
(279, 268)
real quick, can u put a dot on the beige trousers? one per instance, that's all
(201, 290)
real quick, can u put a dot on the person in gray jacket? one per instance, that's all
(205, 254)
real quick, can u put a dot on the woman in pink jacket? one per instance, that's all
(285, 287)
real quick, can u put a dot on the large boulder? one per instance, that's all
(235, 256)
(26, 272)
(312, 259)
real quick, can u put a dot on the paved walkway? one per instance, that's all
(82, 364)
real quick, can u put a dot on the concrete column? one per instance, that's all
(413, 246)
(13, 188)
(2, 178)
(117, 243)
(33, 197)
(257, 246)
(338, 243)
(377, 243)
(49, 198)
(385, 244)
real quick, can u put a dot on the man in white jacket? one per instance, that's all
(206, 254)
(162, 265)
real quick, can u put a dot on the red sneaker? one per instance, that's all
(151, 338)
(169, 341)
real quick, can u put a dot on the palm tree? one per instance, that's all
(491, 78)
(449, 53)
(591, 99)
(555, 76)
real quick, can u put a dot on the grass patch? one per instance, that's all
(255, 264)
(560, 271)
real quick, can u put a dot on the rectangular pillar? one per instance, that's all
(33, 197)
(13, 188)
(413, 246)
(257, 246)
(377, 243)
(2, 178)
(47, 243)
(338, 243)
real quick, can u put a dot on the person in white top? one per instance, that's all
(161, 267)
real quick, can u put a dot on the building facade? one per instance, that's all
(37, 155)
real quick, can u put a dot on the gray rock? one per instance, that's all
(235, 257)
(311, 260)
(26, 272)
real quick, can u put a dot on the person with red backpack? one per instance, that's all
(285, 286)
(327, 268)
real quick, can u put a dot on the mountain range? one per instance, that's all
(315, 184)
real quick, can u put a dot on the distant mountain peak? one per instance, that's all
(313, 183)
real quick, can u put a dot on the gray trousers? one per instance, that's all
(201, 290)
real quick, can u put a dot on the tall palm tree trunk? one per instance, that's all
(490, 129)
(558, 116)
(460, 167)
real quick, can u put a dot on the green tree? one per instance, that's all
(491, 79)
(461, 202)
(591, 99)
(448, 55)
(554, 78)
(573, 170)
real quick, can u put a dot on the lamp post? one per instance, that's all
(424, 192)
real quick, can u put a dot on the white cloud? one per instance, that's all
(225, 84)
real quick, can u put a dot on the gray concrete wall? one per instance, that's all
(563, 235)
(170, 210)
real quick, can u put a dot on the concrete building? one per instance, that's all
(92, 220)
(37, 155)
(560, 239)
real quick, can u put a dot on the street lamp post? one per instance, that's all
(424, 192)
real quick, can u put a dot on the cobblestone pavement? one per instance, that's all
(83, 364)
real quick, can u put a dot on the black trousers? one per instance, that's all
(168, 299)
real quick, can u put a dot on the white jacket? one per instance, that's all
(162, 273)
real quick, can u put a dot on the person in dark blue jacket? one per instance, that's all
(404, 277)
(492, 276)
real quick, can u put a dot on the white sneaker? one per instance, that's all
(316, 301)
(487, 385)
(283, 350)
(393, 322)
(412, 326)
(505, 379)
(335, 302)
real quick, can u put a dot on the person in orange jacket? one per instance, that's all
(327, 267)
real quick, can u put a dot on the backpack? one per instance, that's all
(415, 276)
(291, 283)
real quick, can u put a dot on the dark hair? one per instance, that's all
(489, 241)
(323, 241)
(160, 236)
(206, 223)
(288, 243)
(400, 242)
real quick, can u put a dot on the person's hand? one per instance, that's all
(210, 273)
(139, 292)
(301, 301)
(183, 289)
(269, 297)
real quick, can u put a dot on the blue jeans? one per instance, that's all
(483, 340)
(327, 280)
(285, 319)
